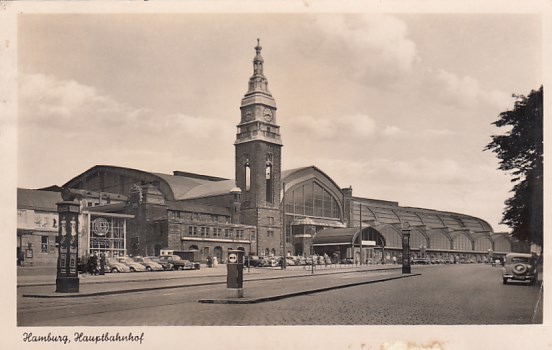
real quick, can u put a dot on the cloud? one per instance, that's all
(333, 127)
(391, 130)
(93, 128)
(466, 91)
(371, 44)
(52, 103)
(70, 107)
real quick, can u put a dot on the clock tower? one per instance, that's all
(258, 161)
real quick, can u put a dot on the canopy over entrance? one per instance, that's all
(351, 236)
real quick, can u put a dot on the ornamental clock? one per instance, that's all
(248, 116)
(267, 114)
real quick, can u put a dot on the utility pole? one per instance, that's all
(360, 233)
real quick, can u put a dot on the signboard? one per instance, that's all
(369, 243)
(232, 258)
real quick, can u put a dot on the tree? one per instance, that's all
(520, 151)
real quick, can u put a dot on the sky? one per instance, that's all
(399, 107)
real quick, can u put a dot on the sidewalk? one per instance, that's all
(44, 286)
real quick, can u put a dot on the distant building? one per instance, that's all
(263, 211)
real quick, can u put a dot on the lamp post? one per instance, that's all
(406, 247)
(284, 261)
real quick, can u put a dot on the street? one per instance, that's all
(440, 295)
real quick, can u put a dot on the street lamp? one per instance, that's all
(406, 247)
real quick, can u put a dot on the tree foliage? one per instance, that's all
(520, 151)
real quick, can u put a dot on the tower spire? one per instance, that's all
(258, 82)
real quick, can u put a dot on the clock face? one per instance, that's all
(248, 116)
(267, 114)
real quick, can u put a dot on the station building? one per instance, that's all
(264, 211)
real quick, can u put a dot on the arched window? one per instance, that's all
(247, 173)
(312, 199)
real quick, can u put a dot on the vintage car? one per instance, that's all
(148, 263)
(114, 266)
(166, 264)
(252, 261)
(520, 267)
(178, 263)
(132, 265)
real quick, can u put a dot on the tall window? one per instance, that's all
(247, 173)
(268, 173)
(308, 200)
(216, 231)
(44, 244)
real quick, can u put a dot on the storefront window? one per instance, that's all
(108, 236)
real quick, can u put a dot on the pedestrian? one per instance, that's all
(394, 260)
(209, 261)
(102, 264)
(20, 258)
(215, 261)
(93, 265)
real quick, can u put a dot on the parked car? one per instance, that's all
(132, 265)
(270, 261)
(167, 266)
(252, 261)
(290, 261)
(421, 261)
(149, 264)
(520, 267)
(114, 266)
(180, 264)
(347, 261)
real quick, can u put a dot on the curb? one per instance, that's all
(321, 272)
(144, 289)
(289, 295)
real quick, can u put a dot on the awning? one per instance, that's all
(335, 236)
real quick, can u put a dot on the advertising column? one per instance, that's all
(67, 278)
